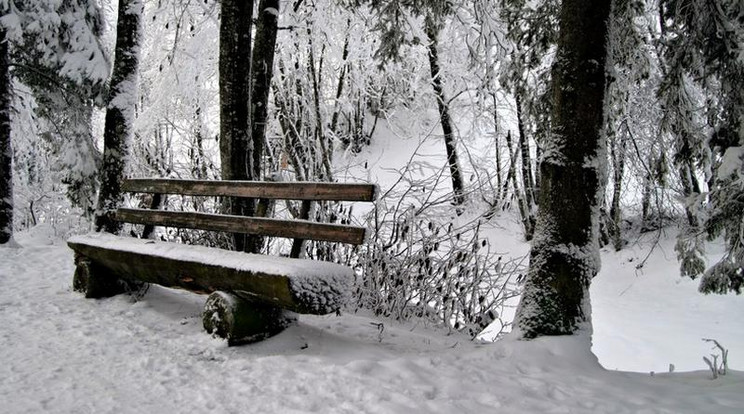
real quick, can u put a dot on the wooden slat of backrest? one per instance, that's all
(254, 189)
(250, 225)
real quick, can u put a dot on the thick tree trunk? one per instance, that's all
(119, 113)
(458, 187)
(236, 150)
(565, 252)
(6, 152)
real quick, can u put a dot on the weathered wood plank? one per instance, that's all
(293, 229)
(255, 189)
(188, 267)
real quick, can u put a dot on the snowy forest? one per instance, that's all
(586, 125)
(94, 91)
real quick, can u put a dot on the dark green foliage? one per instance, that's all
(704, 46)
(392, 22)
(727, 220)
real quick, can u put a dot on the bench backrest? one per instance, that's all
(296, 229)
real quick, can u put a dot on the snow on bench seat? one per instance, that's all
(299, 285)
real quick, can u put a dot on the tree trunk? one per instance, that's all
(261, 75)
(617, 154)
(528, 201)
(6, 152)
(119, 113)
(496, 144)
(565, 252)
(690, 189)
(262, 71)
(524, 147)
(458, 187)
(236, 150)
(340, 86)
(326, 171)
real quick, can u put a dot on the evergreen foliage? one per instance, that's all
(57, 52)
(705, 58)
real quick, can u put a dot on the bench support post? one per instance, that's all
(97, 282)
(241, 320)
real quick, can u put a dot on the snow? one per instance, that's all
(295, 268)
(63, 353)
(646, 316)
(732, 162)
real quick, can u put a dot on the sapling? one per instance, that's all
(716, 368)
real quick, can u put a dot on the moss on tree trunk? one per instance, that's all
(565, 252)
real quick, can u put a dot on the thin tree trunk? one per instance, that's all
(236, 151)
(565, 253)
(119, 113)
(527, 181)
(261, 74)
(496, 144)
(458, 187)
(325, 150)
(617, 154)
(528, 208)
(340, 86)
(511, 175)
(6, 152)
(690, 187)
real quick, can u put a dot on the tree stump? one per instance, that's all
(97, 282)
(241, 320)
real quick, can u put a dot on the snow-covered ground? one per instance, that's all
(62, 353)
(65, 354)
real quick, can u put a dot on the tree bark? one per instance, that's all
(119, 113)
(261, 75)
(528, 215)
(432, 32)
(262, 66)
(236, 149)
(6, 151)
(617, 154)
(496, 144)
(340, 86)
(565, 252)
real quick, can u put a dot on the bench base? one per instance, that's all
(97, 282)
(253, 297)
(241, 320)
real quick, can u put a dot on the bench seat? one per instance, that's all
(298, 285)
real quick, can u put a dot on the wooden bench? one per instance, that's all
(252, 296)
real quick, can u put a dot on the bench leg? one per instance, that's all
(242, 321)
(96, 282)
